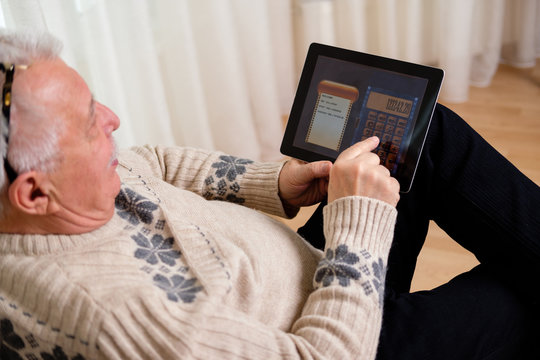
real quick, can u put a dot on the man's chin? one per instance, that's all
(117, 184)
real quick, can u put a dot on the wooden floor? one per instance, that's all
(507, 114)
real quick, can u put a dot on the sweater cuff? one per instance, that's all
(360, 223)
(260, 187)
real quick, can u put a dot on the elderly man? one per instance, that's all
(131, 257)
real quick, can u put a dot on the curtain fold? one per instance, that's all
(467, 38)
(222, 74)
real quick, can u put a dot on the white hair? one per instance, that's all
(34, 145)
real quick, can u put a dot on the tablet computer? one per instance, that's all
(346, 96)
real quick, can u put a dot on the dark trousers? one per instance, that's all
(490, 208)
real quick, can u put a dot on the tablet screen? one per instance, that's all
(344, 97)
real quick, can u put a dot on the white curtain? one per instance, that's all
(467, 38)
(221, 74)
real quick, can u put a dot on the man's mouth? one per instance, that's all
(113, 161)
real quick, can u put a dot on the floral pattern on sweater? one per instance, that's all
(343, 266)
(134, 208)
(222, 185)
(16, 346)
(155, 246)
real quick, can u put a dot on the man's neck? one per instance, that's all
(42, 225)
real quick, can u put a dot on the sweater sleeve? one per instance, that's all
(340, 320)
(213, 175)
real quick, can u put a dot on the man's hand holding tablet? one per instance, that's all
(345, 97)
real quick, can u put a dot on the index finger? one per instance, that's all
(359, 148)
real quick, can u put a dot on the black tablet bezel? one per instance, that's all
(434, 76)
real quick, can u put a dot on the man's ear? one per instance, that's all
(29, 193)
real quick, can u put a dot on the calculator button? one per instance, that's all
(391, 161)
(386, 138)
(402, 122)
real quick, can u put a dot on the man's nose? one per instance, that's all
(111, 122)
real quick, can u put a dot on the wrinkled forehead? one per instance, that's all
(51, 87)
(49, 76)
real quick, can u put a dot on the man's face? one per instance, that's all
(85, 183)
